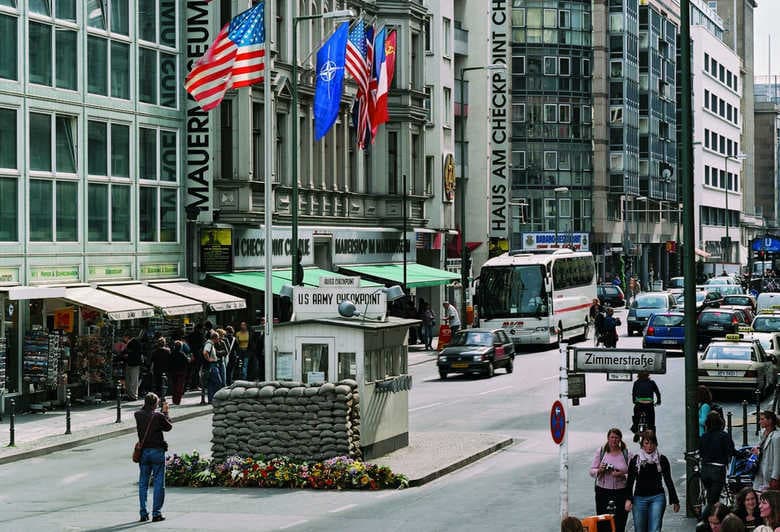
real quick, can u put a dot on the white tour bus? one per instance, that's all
(537, 297)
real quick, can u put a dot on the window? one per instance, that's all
(347, 366)
(564, 66)
(97, 206)
(157, 25)
(706, 175)
(428, 103)
(706, 62)
(721, 73)
(564, 160)
(427, 36)
(706, 138)
(8, 47)
(518, 160)
(518, 112)
(550, 66)
(550, 113)
(564, 113)
(518, 65)
(447, 36)
(157, 152)
(53, 210)
(564, 19)
(158, 205)
(52, 56)
(9, 210)
(550, 160)
(110, 15)
(550, 18)
(58, 153)
(8, 131)
(447, 105)
(108, 71)
(706, 98)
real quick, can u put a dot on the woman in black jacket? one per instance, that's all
(716, 449)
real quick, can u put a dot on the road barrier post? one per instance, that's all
(744, 423)
(12, 421)
(67, 412)
(118, 403)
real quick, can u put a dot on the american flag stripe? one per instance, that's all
(245, 70)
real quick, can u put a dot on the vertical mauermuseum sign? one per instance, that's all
(199, 128)
(500, 104)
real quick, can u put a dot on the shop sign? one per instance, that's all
(109, 271)
(249, 248)
(339, 282)
(216, 249)
(51, 274)
(9, 275)
(160, 270)
(499, 86)
(63, 320)
(366, 247)
(534, 241)
(316, 303)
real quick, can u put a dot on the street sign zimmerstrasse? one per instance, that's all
(599, 360)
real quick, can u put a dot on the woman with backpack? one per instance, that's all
(610, 469)
(716, 449)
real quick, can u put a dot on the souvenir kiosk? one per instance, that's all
(339, 331)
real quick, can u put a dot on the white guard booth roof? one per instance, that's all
(216, 300)
(114, 306)
(169, 304)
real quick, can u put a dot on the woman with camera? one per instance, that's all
(610, 469)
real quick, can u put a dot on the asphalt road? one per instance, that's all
(94, 487)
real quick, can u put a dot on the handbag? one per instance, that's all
(139, 445)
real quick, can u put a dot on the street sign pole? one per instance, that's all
(563, 449)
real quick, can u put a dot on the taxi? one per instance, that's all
(766, 329)
(738, 363)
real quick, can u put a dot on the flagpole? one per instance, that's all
(268, 137)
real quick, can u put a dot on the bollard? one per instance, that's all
(728, 425)
(757, 395)
(67, 412)
(744, 423)
(118, 403)
(12, 421)
(202, 390)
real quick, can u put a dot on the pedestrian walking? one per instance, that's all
(643, 393)
(610, 328)
(704, 399)
(213, 375)
(133, 360)
(610, 469)
(769, 507)
(715, 449)
(180, 362)
(242, 337)
(161, 361)
(451, 317)
(768, 451)
(150, 426)
(648, 471)
(429, 321)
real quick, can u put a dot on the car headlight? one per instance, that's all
(442, 359)
(477, 358)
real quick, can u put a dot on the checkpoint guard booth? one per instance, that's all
(362, 343)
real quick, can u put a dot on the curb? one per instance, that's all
(416, 482)
(77, 442)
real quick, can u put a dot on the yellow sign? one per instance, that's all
(44, 274)
(216, 236)
(449, 178)
(9, 274)
(109, 271)
(160, 270)
(63, 320)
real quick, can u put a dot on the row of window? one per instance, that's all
(721, 73)
(720, 107)
(718, 178)
(550, 65)
(572, 272)
(537, 213)
(719, 143)
(717, 216)
(54, 211)
(538, 18)
(551, 113)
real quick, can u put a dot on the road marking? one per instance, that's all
(337, 510)
(424, 407)
(73, 478)
(294, 523)
(494, 390)
(551, 378)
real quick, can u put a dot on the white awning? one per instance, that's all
(33, 292)
(115, 307)
(217, 301)
(167, 303)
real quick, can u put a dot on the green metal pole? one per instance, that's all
(293, 157)
(689, 259)
(464, 275)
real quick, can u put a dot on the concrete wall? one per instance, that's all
(304, 422)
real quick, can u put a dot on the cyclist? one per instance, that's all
(644, 391)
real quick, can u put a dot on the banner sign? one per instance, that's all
(318, 302)
(216, 249)
(500, 101)
(577, 241)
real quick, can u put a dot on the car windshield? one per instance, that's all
(676, 282)
(512, 291)
(727, 352)
(766, 324)
(721, 318)
(472, 338)
(649, 302)
(699, 298)
(730, 289)
(719, 280)
(737, 300)
(665, 320)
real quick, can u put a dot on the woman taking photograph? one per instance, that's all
(747, 508)
(648, 471)
(769, 507)
(768, 451)
(610, 468)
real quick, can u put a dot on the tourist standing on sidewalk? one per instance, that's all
(610, 469)
(768, 451)
(451, 316)
(150, 426)
(232, 355)
(242, 337)
(429, 320)
(716, 449)
(180, 362)
(211, 362)
(133, 360)
(161, 361)
(648, 471)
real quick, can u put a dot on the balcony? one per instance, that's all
(461, 101)
(461, 41)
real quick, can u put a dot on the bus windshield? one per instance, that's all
(512, 291)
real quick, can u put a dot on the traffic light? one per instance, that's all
(297, 273)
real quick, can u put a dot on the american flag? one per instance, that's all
(235, 59)
(358, 64)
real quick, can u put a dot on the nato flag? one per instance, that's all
(330, 80)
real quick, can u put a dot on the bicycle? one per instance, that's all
(696, 492)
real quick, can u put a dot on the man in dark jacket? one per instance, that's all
(161, 361)
(133, 360)
(716, 449)
(150, 426)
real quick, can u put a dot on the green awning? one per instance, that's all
(279, 278)
(417, 275)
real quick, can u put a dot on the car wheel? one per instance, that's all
(510, 366)
(490, 371)
(442, 374)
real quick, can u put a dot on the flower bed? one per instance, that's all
(236, 472)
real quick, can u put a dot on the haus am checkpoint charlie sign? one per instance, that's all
(323, 301)
(600, 360)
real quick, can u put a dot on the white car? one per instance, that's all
(766, 329)
(737, 363)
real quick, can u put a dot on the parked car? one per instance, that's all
(740, 300)
(767, 300)
(477, 351)
(766, 329)
(720, 280)
(610, 294)
(737, 363)
(676, 285)
(730, 289)
(716, 323)
(665, 330)
(644, 306)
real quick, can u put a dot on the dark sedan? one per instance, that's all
(477, 351)
(714, 323)
(665, 331)
(610, 294)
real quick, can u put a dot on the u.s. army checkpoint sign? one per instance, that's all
(601, 360)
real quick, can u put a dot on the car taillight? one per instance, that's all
(620, 296)
(651, 331)
(734, 320)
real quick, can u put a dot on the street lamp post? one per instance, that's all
(464, 269)
(297, 272)
(556, 191)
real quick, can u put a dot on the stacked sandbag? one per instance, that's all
(283, 418)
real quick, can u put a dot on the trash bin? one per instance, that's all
(445, 335)
(599, 523)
